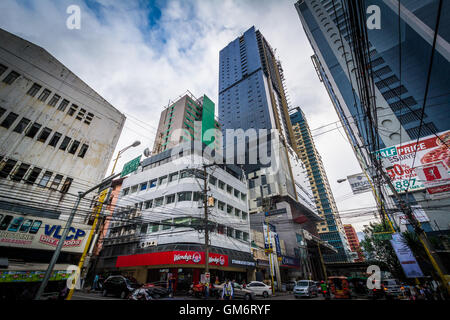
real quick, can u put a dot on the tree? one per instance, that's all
(380, 251)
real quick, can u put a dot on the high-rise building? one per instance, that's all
(187, 119)
(330, 230)
(57, 137)
(354, 242)
(399, 51)
(252, 99)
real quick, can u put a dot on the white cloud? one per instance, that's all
(138, 69)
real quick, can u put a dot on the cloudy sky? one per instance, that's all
(140, 54)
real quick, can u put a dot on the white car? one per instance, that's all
(260, 289)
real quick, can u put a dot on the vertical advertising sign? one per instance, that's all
(404, 254)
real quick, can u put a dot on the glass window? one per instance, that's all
(9, 120)
(229, 189)
(11, 77)
(33, 175)
(148, 204)
(181, 222)
(243, 196)
(198, 196)
(54, 100)
(83, 150)
(44, 95)
(245, 236)
(185, 196)
(159, 202)
(153, 183)
(173, 176)
(62, 106)
(65, 143)
(73, 148)
(229, 232)
(66, 186)
(170, 199)
(45, 133)
(229, 209)
(54, 141)
(162, 180)
(143, 186)
(72, 110)
(236, 193)
(126, 191)
(221, 205)
(212, 180)
(7, 168)
(237, 212)
(244, 215)
(56, 181)
(167, 224)
(20, 172)
(134, 188)
(33, 130)
(23, 123)
(34, 89)
(221, 185)
(45, 179)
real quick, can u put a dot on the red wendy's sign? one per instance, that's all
(171, 257)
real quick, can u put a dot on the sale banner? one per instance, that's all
(402, 161)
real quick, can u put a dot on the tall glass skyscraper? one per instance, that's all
(252, 96)
(332, 229)
(400, 50)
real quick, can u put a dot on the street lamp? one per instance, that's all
(135, 144)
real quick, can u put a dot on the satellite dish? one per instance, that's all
(147, 152)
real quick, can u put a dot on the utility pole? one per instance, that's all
(58, 249)
(205, 208)
(432, 256)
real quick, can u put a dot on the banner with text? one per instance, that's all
(398, 162)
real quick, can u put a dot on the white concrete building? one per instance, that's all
(164, 202)
(57, 137)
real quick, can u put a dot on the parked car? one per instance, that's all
(260, 288)
(392, 288)
(238, 292)
(119, 285)
(305, 288)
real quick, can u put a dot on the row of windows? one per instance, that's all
(178, 175)
(30, 175)
(181, 222)
(31, 130)
(190, 196)
(82, 115)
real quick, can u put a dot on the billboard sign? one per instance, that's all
(30, 232)
(359, 183)
(418, 212)
(404, 254)
(433, 175)
(398, 160)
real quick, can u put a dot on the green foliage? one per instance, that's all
(381, 251)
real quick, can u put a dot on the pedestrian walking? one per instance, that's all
(227, 292)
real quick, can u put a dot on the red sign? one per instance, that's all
(439, 189)
(171, 257)
(422, 145)
(432, 173)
